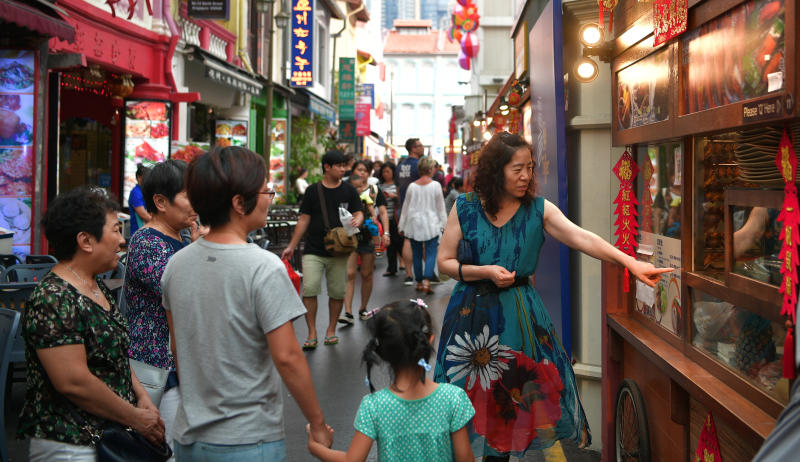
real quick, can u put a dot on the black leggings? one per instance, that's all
(395, 246)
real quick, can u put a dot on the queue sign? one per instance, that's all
(302, 59)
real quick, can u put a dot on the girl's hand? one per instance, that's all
(648, 273)
(499, 275)
(323, 436)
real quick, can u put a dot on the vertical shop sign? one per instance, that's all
(302, 59)
(347, 131)
(17, 89)
(362, 119)
(347, 88)
(147, 129)
(669, 19)
(277, 159)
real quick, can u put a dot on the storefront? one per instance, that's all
(23, 90)
(702, 115)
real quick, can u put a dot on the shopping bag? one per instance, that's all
(293, 276)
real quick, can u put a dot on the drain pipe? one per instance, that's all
(336, 38)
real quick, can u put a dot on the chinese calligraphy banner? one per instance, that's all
(669, 18)
(302, 59)
(347, 88)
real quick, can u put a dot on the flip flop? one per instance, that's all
(332, 340)
(310, 344)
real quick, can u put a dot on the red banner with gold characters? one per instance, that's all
(707, 443)
(669, 19)
(790, 217)
(627, 225)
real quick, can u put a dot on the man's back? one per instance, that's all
(405, 174)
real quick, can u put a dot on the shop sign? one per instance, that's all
(231, 81)
(302, 59)
(18, 77)
(277, 159)
(362, 119)
(322, 109)
(770, 108)
(366, 93)
(207, 9)
(669, 18)
(521, 50)
(347, 131)
(147, 129)
(347, 88)
(230, 133)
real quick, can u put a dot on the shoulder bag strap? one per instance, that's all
(323, 207)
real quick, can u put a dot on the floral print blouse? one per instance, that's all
(148, 254)
(57, 314)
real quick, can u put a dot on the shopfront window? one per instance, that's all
(748, 344)
(660, 189)
(84, 154)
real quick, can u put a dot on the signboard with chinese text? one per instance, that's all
(17, 96)
(366, 93)
(207, 9)
(362, 119)
(347, 131)
(302, 58)
(347, 88)
(669, 19)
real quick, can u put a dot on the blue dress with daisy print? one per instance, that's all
(501, 347)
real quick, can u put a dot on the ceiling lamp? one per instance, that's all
(585, 70)
(590, 34)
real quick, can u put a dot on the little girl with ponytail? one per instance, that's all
(414, 418)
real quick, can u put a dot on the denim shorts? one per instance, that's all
(274, 451)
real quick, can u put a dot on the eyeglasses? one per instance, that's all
(269, 192)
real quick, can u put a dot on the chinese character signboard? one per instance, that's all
(670, 18)
(207, 9)
(302, 43)
(362, 119)
(347, 88)
(347, 131)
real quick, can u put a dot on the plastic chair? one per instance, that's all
(26, 273)
(117, 273)
(40, 259)
(9, 259)
(9, 326)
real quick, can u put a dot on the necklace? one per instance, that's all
(95, 292)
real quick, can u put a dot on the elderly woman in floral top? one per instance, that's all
(148, 253)
(76, 340)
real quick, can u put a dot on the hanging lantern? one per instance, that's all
(470, 24)
(463, 60)
(609, 5)
(470, 45)
(790, 217)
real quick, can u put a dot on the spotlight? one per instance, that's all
(503, 105)
(487, 136)
(590, 34)
(585, 70)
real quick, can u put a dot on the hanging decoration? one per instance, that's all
(669, 19)
(790, 217)
(708, 444)
(465, 21)
(131, 7)
(515, 94)
(626, 170)
(607, 5)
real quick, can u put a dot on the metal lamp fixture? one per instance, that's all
(590, 34)
(586, 70)
(263, 5)
(503, 107)
(283, 17)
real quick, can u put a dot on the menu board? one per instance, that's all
(147, 128)
(738, 56)
(662, 304)
(17, 89)
(642, 91)
(231, 133)
(277, 159)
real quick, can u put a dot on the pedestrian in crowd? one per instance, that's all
(76, 340)
(136, 203)
(389, 190)
(362, 260)
(149, 251)
(414, 418)
(377, 167)
(422, 220)
(456, 187)
(438, 176)
(230, 307)
(503, 223)
(316, 260)
(349, 161)
(405, 174)
(301, 184)
(448, 177)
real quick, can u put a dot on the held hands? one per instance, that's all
(500, 276)
(647, 273)
(322, 435)
(147, 421)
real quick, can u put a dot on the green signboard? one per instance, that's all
(347, 131)
(347, 88)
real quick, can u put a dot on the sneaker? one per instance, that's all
(364, 315)
(409, 281)
(346, 318)
(435, 279)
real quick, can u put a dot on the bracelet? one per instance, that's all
(460, 276)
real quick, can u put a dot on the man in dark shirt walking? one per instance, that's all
(405, 174)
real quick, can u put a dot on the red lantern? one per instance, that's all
(470, 45)
(463, 60)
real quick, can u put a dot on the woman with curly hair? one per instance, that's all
(497, 341)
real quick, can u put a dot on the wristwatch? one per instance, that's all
(386, 233)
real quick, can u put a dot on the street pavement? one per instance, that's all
(337, 373)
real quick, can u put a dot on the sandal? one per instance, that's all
(420, 287)
(310, 344)
(332, 340)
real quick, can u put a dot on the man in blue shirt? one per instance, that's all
(139, 215)
(405, 174)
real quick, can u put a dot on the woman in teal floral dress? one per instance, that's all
(497, 340)
(76, 340)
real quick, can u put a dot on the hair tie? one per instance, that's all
(424, 364)
(419, 302)
(366, 380)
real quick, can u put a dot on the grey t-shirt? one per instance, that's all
(224, 299)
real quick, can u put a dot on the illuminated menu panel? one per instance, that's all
(302, 59)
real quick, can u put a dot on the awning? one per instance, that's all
(36, 19)
(226, 74)
(321, 107)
